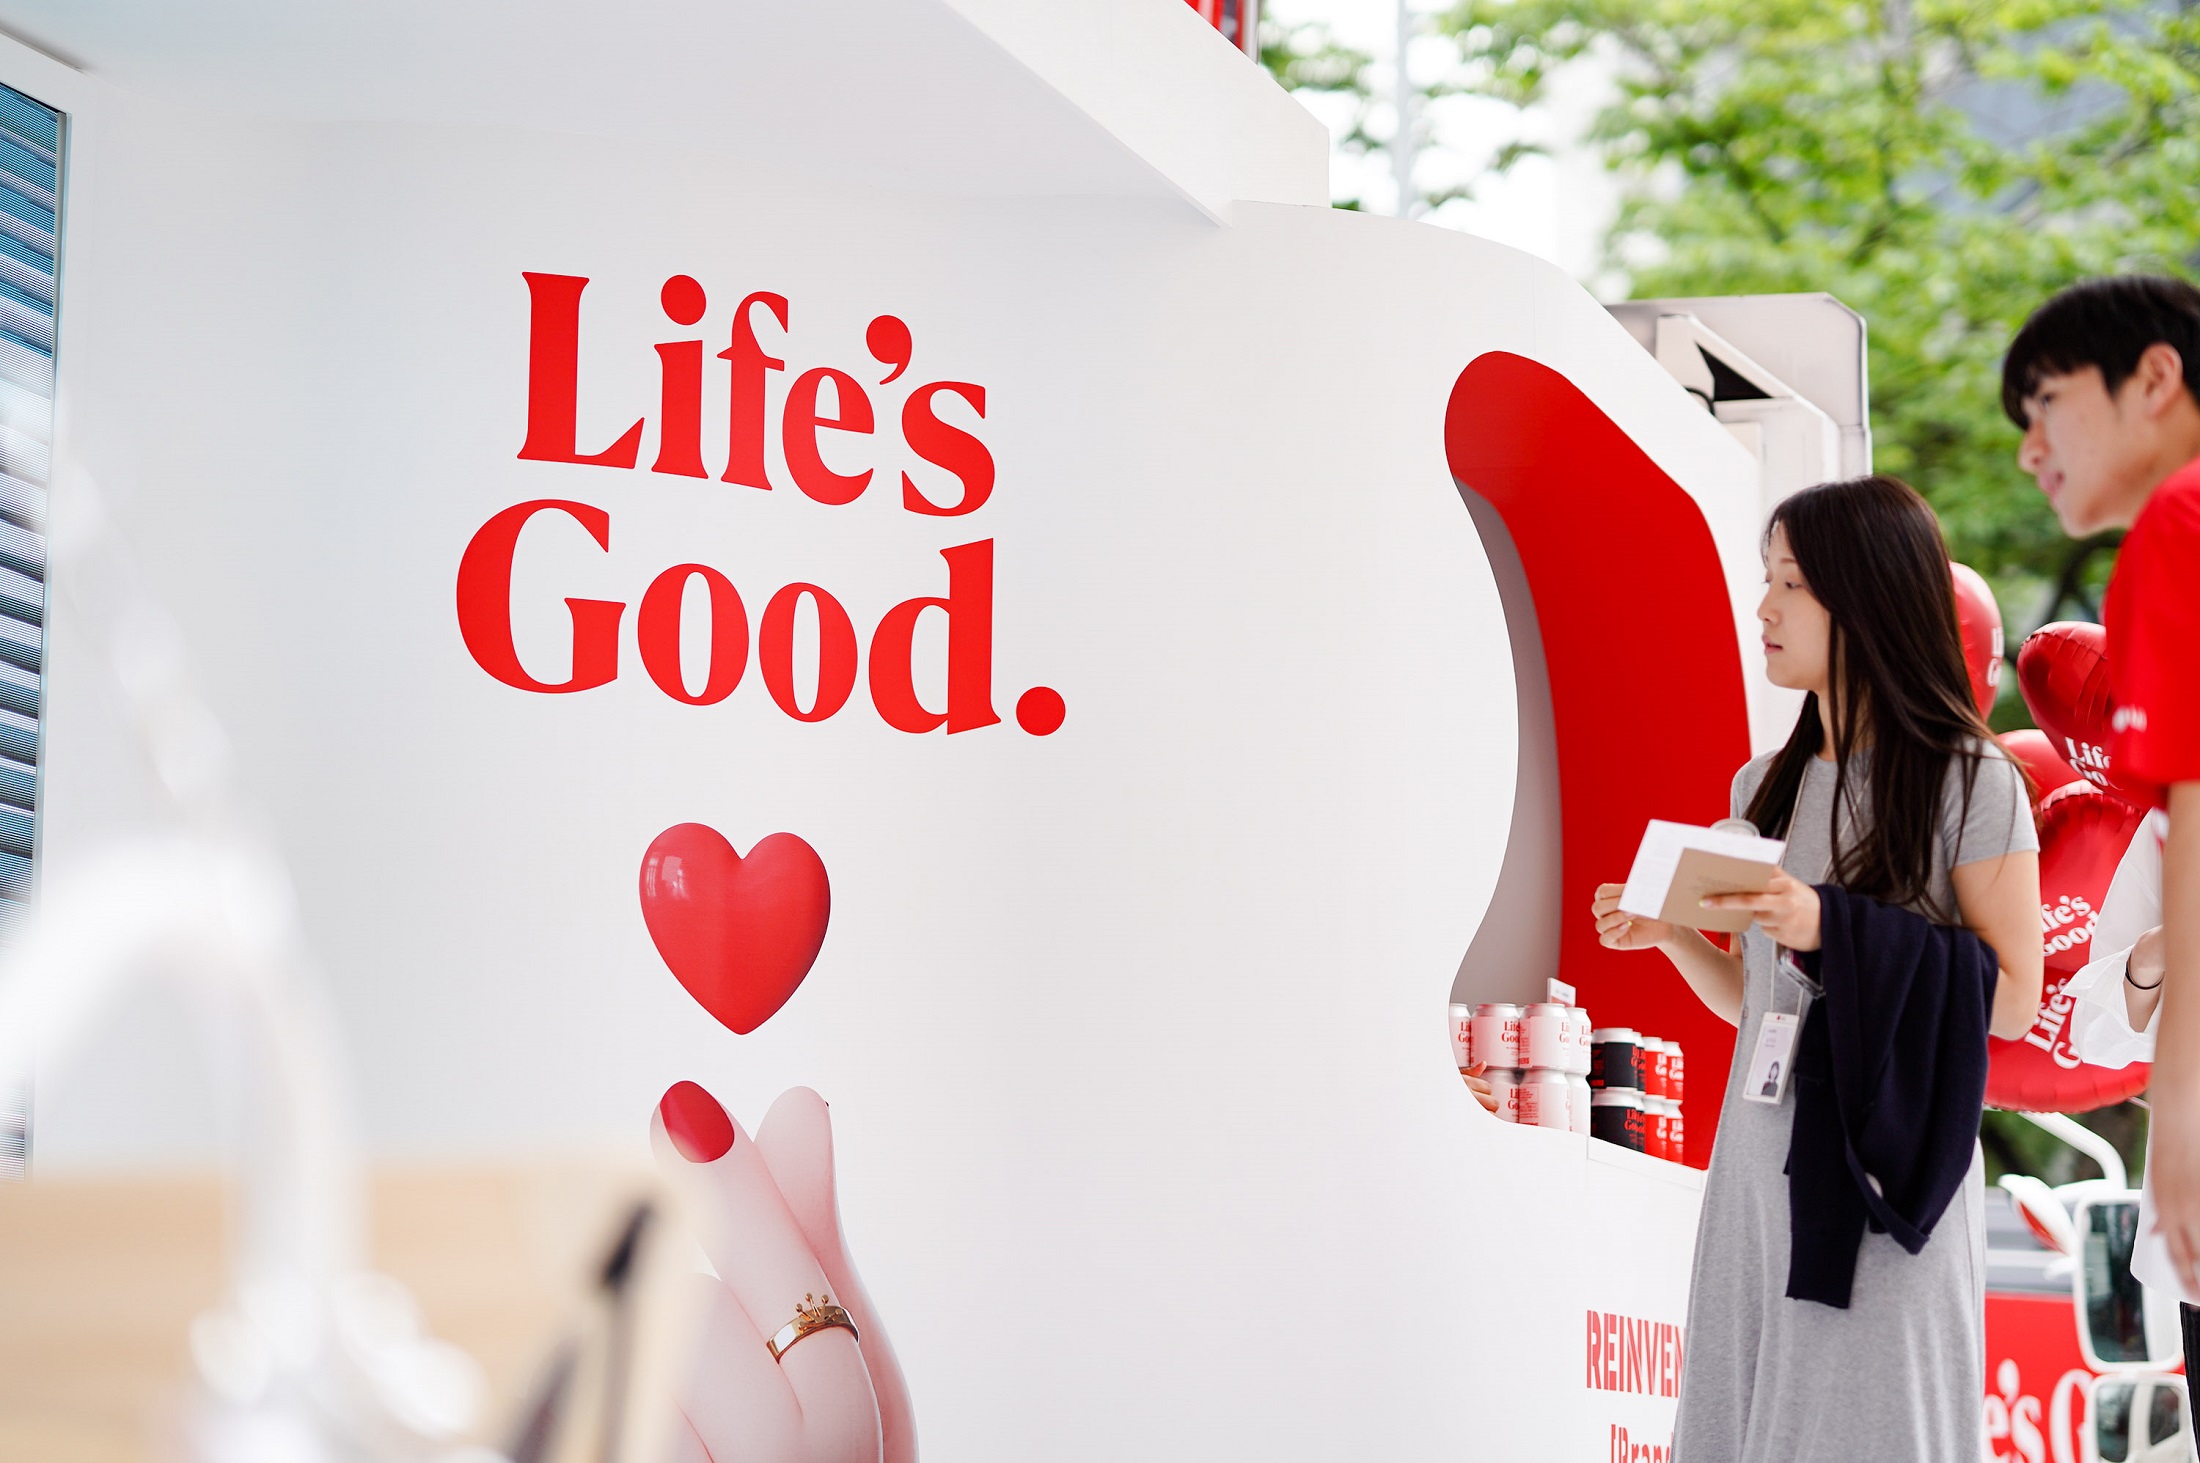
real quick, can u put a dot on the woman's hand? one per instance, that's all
(1715, 975)
(1616, 931)
(1787, 910)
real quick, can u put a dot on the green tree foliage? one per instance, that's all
(1940, 165)
(1309, 60)
(1306, 57)
(2013, 1145)
(1361, 106)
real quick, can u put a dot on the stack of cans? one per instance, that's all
(1636, 1083)
(1535, 1058)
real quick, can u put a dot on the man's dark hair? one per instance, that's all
(2107, 323)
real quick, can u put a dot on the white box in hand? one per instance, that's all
(1679, 865)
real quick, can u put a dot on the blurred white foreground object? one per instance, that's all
(309, 1357)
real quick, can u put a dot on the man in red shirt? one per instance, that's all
(2105, 381)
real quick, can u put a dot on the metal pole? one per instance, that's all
(1403, 144)
(2086, 1141)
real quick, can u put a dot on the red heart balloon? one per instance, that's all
(2083, 836)
(739, 933)
(1978, 618)
(2062, 670)
(2050, 773)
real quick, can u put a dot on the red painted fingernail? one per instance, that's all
(695, 1123)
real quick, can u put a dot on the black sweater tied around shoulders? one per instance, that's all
(1890, 1079)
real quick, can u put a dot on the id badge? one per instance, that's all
(1772, 1060)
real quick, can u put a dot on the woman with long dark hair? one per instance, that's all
(1892, 788)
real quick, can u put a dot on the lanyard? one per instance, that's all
(1772, 1058)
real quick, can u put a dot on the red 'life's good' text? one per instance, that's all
(962, 484)
(553, 402)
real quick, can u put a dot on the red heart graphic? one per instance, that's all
(739, 933)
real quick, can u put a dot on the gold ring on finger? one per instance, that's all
(815, 1314)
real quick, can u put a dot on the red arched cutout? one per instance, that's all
(1647, 702)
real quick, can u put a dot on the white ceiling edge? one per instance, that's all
(1166, 83)
(951, 98)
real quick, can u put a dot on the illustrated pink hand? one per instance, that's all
(770, 1223)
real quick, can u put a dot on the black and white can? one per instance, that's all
(1616, 1116)
(1615, 1057)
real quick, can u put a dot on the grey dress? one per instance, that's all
(1898, 1376)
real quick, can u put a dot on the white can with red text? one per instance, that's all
(1578, 1030)
(1462, 1035)
(1497, 1034)
(1578, 1096)
(1546, 1029)
(1505, 1090)
(1544, 1100)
